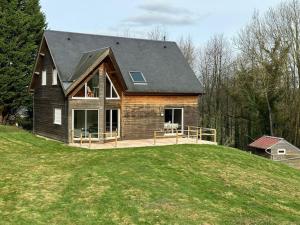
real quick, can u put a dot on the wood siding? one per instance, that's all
(142, 115)
(46, 98)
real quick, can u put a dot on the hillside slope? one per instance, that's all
(46, 182)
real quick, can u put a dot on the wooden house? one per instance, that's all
(274, 147)
(93, 85)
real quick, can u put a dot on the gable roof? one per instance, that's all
(162, 63)
(265, 142)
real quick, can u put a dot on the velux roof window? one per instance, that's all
(137, 77)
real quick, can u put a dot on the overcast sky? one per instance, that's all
(199, 19)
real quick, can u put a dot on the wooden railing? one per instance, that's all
(193, 132)
(205, 132)
(101, 137)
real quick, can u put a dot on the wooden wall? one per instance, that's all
(141, 115)
(46, 98)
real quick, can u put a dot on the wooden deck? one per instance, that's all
(141, 143)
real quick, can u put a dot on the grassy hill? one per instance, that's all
(46, 182)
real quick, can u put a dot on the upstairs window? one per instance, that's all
(90, 88)
(54, 77)
(44, 77)
(137, 77)
(110, 91)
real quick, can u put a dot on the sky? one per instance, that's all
(198, 19)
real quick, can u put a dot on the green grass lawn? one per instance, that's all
(46, 182)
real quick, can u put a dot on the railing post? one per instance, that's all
(176, 137)
(116, 138)
(196, 136)
(154, 137)
(72, 136)
(188, 132)
(99, 137)
(90, 140)
(200, 134)
(80, 138)
(215, 135)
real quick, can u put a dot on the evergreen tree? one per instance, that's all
(21, 28)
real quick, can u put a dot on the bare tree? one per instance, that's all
(188, 49)
(158, 33)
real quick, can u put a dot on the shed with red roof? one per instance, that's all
(275, 148)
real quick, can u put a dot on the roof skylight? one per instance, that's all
(137, 77)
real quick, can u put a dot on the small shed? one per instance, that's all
(275, 148)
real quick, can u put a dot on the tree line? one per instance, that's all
(251, 81)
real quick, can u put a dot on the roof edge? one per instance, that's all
(111, 36)
(88, 70)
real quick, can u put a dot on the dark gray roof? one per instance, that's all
(87, 59)
(165, 69)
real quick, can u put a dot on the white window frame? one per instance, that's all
(110, 120)
(54, 76)
(112, 87)
(281, 153)
(85, 118)
(182, 119)
(139, 82)
(57, 121)
(85, 91)
(44, 77)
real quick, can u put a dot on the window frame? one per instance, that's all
(54, 75)
(138, 82)
(281, 149)
(110, 118)
(54, 116)
(112, 87)
(85, 121)
(44, 78)
(85, 89)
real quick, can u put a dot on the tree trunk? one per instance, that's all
(270, 116)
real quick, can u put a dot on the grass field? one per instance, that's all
(46, 182)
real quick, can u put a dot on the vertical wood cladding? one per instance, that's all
(142, 115)
(46, 98)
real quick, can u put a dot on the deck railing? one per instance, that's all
(100, 136)
(193, 132)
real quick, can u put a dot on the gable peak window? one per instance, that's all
(90, 89)
(54, 76)
(137, 77)
(110, 90)
(44, 77)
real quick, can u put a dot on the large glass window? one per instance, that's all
(110, 91)
(90, 89)
(111, 122)
(173, 120)
(85, 123)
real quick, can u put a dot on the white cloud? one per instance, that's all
(163, 13)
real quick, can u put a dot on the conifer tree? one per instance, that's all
(21, 28)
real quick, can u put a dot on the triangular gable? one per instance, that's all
(88, 62)
(39, 56)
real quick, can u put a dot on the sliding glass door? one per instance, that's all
(173, 120)
(112, 122)
(85, 122)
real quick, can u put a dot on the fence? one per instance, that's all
(197, 133)
(100, 137)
